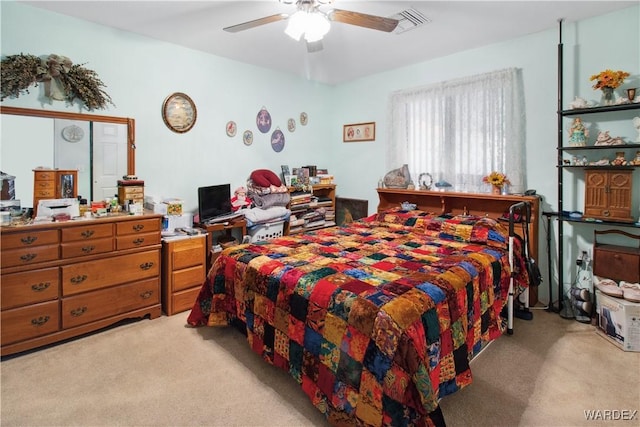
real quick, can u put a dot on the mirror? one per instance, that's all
(101, 148)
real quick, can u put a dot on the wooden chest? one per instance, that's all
(616, 262)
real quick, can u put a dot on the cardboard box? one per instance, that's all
(619, 321)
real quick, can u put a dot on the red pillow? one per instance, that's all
(265, 178)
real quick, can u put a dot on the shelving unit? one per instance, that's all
(323, 191)
(600, 112)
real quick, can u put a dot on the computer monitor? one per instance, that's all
(213, 201)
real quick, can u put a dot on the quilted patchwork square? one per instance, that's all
(334, 328)
(329, 355)
(326, 378)
(362, 315)
(354, 343)
(395, 383)
(296, 330)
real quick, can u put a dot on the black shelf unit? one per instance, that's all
(561, 114)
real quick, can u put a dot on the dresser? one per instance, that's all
(61, 280)
(183, 271)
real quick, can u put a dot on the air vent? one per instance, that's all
(409, 19)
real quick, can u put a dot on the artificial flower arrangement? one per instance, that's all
(496, 178)
(609, 78)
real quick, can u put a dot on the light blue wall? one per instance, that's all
(141, 72)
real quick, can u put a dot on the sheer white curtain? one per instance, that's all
(459, 131)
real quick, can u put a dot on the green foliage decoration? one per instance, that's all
(62, 79)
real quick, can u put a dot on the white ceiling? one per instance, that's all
(349, 51)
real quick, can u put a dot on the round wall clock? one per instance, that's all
(73, 133)
(179, 112)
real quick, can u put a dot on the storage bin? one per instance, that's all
(267, 231)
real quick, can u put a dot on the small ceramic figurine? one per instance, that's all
(636, 124)
(636, 161)
(605, 139)
(578, 134)
(578, 103)
(619, 160)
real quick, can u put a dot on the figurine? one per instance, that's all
(398, 178)
(636, 161)
(636, 124)
(578, 134)
(605, 139)
(578, 103)
(619, 160)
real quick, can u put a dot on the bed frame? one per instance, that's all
(481, 204)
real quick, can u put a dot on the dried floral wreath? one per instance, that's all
(62, 80)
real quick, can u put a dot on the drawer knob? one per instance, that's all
(146, 265)
(77, 312)
(87, 233)
(39, 287)
(138, 241)
(88, 249)
(606, 213)
(28, 257)
(78, 279)
(146, 294)
(28, 240)
(40, 320)
(138, 227)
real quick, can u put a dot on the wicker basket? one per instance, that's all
(267, 231)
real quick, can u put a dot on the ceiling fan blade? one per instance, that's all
(314, 46)
(363, 20)
(256, 23)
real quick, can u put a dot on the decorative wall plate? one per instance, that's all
(179, 112)
(291, 125)
(247, 137)
(231, 128)
(304, 118)
(263, 120)
(277, 140)
(72, 133)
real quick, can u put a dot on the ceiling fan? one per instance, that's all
(313, 23)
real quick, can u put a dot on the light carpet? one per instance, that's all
(161, 373)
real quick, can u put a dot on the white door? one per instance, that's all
(109, 158)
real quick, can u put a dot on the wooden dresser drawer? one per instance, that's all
(187, 253)
(89, 247)
(184, 300)
(137, 240)
(30, 322)
(87, 276)
(44, 175)
(85, 308)
(45, 186)
(27, 239)
(28, 256)
(29, 287)
(137, 227)
(188, 277)
(87, 232)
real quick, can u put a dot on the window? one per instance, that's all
(459, 131)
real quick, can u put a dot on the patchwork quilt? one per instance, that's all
(376, 320)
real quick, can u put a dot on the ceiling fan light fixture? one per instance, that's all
(313, 25)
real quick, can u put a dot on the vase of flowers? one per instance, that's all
(607, 81)
(497, 180)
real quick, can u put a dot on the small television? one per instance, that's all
(214, 201)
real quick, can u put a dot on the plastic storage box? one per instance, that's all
(267, 231)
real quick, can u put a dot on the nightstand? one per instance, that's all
(183, 271)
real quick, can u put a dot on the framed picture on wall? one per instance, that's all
(359, 132)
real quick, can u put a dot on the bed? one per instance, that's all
(377, 319)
